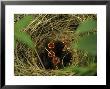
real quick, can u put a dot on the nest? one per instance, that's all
(46, 27)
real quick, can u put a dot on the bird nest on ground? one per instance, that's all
(46, 27)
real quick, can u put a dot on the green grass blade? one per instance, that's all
(23, 23)
(88, 43)
(89, 70)
(24, 38)
(19, 34)
(88, 25)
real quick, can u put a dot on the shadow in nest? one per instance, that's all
(53, 55)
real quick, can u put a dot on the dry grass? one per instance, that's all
(44, 27)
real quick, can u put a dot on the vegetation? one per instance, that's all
(78, 31)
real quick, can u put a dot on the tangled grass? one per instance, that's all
(52, 26)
